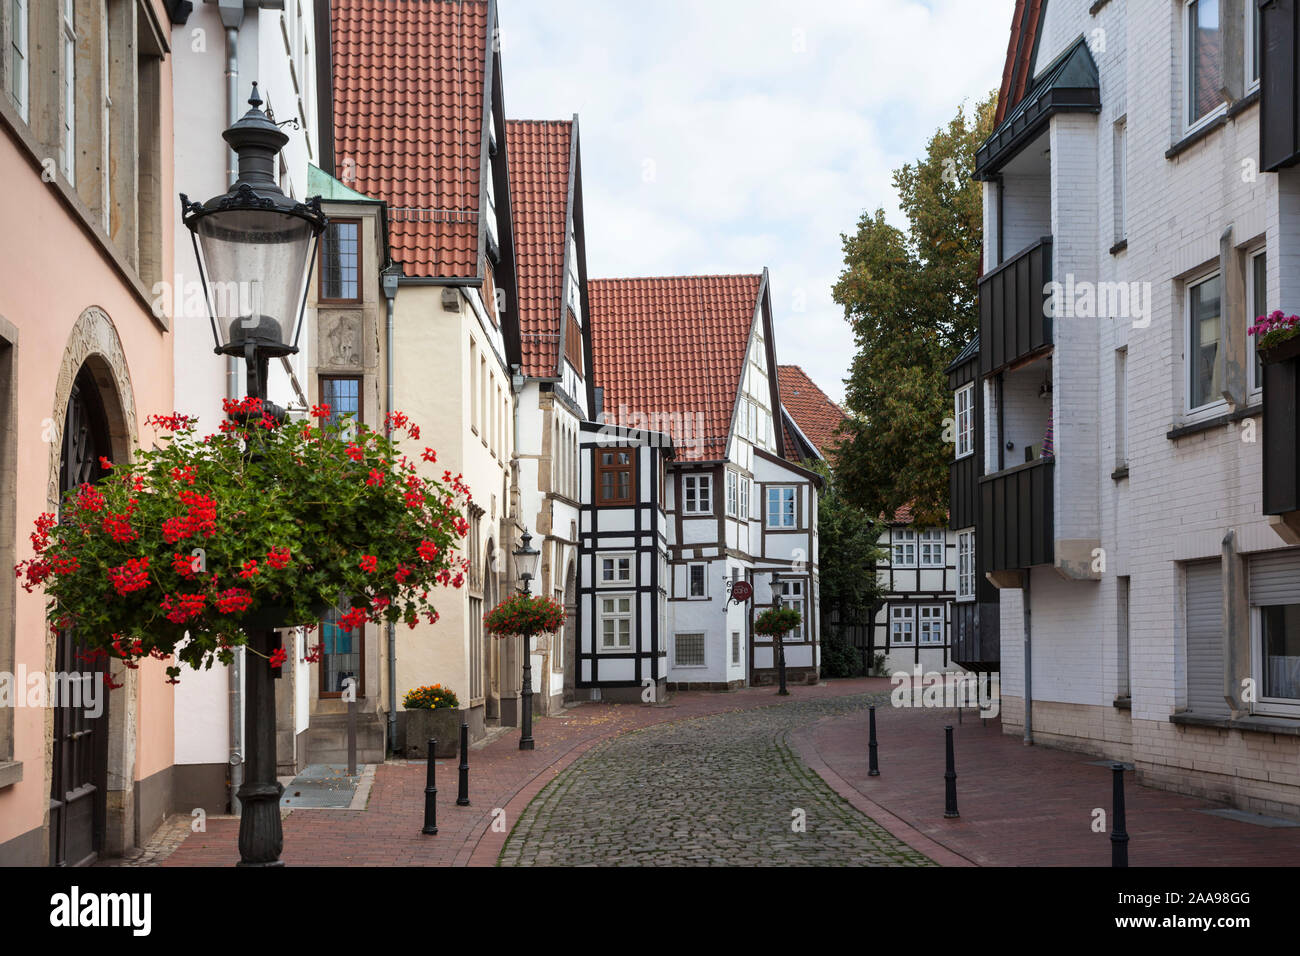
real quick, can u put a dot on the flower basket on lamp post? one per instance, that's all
(525, 616)
(775, 623)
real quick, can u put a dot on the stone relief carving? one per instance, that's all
(340, 345)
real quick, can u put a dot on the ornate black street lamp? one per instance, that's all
(780, 638)
(526, 558)
(255, 248)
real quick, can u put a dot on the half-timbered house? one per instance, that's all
(695, 358)
(918, 578)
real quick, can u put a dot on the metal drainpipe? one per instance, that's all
(1029, 670)
(390, 294)
(232, 18)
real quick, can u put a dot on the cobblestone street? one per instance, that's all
(720, 790)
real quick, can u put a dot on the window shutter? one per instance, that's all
(1275, 578)
(1205, 640)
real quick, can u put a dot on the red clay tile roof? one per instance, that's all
(539, 195)
(408, 122)
(674, 347)
(1017, 72)
(815, 414)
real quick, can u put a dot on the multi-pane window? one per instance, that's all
(792, 596)
(614, 484)
(1204, 358)
(902, 625)
(341, 656)
(964, 409)
(696, 581)
(616, 624)
(932, 543)
(616, 569)
(1257, 305)
(1202, 59)
(733, 494)
(340, 261)
(735, 647)
(16, 81)
(781, 508)
(966, 566)
(688, 650)
(903, 552)
(697, 494)
(342, 393)
(68, 76)
(744, 498)
(930, 622)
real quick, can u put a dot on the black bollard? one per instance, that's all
(874, 763)
(950, 780)
(462, 797)
(431, 793)
(1118, 830)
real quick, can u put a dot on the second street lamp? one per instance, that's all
(255, 248)
(780, 639)
(526, 559)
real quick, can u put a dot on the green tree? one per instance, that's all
(848, 551)
(910, 297)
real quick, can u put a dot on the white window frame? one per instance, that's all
(927, 542)
(963, 406)
(1214, 405)
(1273, 706)
(1121, 407)
(793, 596)
(690, 589)
(18, 58)
(697, 494)
(902, 614)
(68, 76)
(900, 541)
(1249, 58)
(736, 649)
(604, 614)
(1254, 309)
(787, 520)
(704, 650)
(1192, 124)
(928, 618)
(965, 565)
(745, 487)
(1121, 180)
(733, 495)
(617, 581)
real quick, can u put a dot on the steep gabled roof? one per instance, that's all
(815, 415)
(540, 176)
(1017, 71)
(674, 347)
(409, 81)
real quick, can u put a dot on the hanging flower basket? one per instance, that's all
(183, 551)
(777, 621)
(524, 615)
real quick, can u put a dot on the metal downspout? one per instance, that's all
(1029, 670)
(390, 294)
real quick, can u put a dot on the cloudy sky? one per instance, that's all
(728, 135)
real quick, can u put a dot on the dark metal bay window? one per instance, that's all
(340, 261)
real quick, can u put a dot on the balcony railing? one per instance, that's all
(1014, 319)
(1018, 526)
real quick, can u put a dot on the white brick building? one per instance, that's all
(1120, 494)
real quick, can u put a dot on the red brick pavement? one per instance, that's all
(388, 833)
(1020, 806)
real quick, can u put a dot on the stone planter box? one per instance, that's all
(443, 725)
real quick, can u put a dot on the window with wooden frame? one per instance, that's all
(615, 476)
(697, 494)
(697, 581)
(902, 626)
(782, 507)
(932, 548)
(615, 624)
(342, 393)
(615, 569)
(340, 262)
(573, 341)
(931, 624)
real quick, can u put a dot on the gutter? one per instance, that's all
(391, 280)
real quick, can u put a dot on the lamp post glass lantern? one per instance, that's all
(255, 248)
(526, 560)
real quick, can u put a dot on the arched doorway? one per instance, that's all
(571, 641)
(79, 770)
